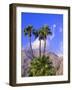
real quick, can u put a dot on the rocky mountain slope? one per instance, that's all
(26, 57)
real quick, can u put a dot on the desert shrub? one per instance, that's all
(41, 66)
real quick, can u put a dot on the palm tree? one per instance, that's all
(28, 31)
(40, 38)
(38, 33)
(46, 31)
(43, 33)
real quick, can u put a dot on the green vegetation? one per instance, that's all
(41, 66)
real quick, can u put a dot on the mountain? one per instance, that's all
(26, 57)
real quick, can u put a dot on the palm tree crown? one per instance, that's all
(28, 30)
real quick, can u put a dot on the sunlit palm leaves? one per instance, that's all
(41, 66)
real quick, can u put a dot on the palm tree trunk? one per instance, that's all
(44, 47)
(31, 48)
(40, 48)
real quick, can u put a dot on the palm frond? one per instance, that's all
(25, 32)
(49, 33)
(35, 33)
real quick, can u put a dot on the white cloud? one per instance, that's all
(35, 44)
(53, 31)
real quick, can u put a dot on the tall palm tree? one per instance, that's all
(46, 31)
(40, 38)
(42, 34)
(38, 33)
(28, 31)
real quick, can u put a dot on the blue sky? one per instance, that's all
(55, 22)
